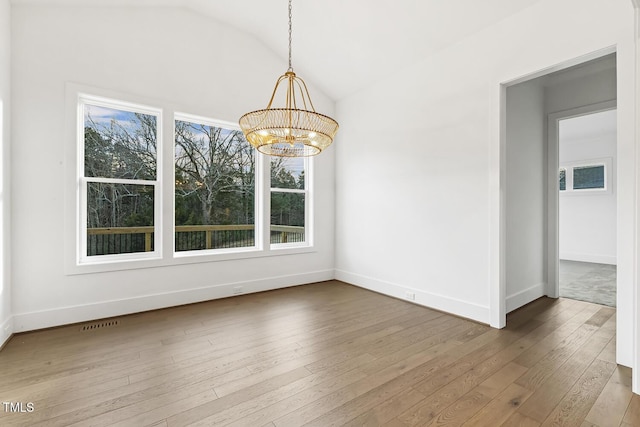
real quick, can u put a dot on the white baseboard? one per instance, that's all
(521, 298)
(439, 302)
(6, 330)
(598, 259)
(100, 310)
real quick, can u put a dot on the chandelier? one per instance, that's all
(295, 130)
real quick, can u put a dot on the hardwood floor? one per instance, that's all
(325, 354)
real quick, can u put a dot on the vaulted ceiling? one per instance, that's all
(344, 45)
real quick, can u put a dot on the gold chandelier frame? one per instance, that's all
(289, 131)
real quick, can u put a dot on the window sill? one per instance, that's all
(184, 258)
(586, 192)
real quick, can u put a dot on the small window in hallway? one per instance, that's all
(588, 177)
(562, 178)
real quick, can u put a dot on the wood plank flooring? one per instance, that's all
(325, 354)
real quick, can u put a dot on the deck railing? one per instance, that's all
(117, 240)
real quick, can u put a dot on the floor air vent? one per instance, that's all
(99, 325)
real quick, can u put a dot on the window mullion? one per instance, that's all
(309, 213)
(120, 181)
(288, 190)
(167, 158)
(265, 192)
(81, 243)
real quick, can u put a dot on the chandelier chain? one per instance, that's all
(290, 66)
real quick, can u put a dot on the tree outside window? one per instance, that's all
(220, 206)
(214, 187)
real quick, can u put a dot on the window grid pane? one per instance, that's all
(288, 172)
(119, 218)
(287, 217)
(119, 144)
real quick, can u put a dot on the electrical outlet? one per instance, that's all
(237, 290)
(410, 295)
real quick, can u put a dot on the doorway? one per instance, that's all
(587, 206)
(534, 109)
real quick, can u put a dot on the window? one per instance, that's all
(288, 200)
(119, 187)
(592, 176)
(562, 178)
(588, 177)
(147, 191)
(207, 196)
(214, 187)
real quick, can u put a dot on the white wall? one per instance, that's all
(526, 194)
(209, 69)
(588, 220)
(6, 324)
(425, 142)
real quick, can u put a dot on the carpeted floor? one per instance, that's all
(588, 282)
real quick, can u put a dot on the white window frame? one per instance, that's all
(258, 195)
(606, 162)
(83, 181)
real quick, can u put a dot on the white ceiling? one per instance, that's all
(344, 45)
